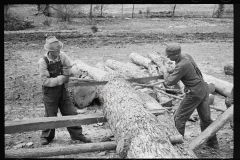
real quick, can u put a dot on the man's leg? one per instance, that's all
(184, 111)
(205, 120)
(51, 109)
(67, 108)
(51, 103)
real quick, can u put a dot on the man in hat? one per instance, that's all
(54, 72)
(196, 89)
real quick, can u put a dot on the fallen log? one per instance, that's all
(98, 74)
(139, 60)
(138, 134)
(222, 87)
(104, 67)
(129, 72)
(56, 151)
(212, 129)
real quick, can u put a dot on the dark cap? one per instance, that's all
(173, 49)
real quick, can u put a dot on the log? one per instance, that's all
(139, 60)
(104, 67)
(84, 95)
(138, 134)
(221, 87)
(212, 129)
(150, 102)
(130, 72)
(56, 151)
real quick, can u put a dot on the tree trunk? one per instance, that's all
(129, 71)
(139, 60)
(222, 87)
(133, 11)
(56, 151)
(90, 15)
(174, 10)
(104, 67)
(132, 72)
(122, 11)
(212, 129)
(138, 133)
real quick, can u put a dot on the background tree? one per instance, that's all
(133, 11)
(173, 12)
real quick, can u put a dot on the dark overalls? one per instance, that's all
(57, 97)
(196, 97)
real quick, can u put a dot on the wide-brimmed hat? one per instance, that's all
(53, 44)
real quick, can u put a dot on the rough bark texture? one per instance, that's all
(104, 67)
(130, 72)
(133, 73)
(139, 60)
(138, 133)
(56, 151)
(222, 87)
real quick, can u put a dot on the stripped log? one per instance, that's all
(138, 134)
(139, 60)
(222, 87)
(212, 129)
(56, 151)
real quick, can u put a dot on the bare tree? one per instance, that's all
(6, 8)
(122, 11)
(90, 12)
(133, 11)
(174, 7)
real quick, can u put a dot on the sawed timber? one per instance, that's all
(35, 124)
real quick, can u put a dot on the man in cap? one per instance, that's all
(196, 89)
(54, 72)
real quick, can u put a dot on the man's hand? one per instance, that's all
(66, 71)
(65, 78)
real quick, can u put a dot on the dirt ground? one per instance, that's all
(209, 41)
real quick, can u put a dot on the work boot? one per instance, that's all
(213, 144)
(83, 139)
(44, 141)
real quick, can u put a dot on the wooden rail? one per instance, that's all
(43, 123)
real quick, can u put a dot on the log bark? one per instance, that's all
(221, 87)
(139, 60)
(132, 73)
(138, 134)
(104, 67)
(56, 151)
(212, 129)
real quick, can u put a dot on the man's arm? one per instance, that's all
(45, 76)
(66, 61)
(175, 77)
